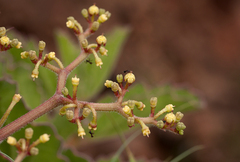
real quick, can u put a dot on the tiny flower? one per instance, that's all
(11, 141)
(70, 24)
(81, 132)
(140, 106)
(86, 112)
(51, 55)
(17, 97)
(129, 77)
(4, 40)
(19, 45)
(130, 121)
(146, 131)
(102, 18)
(108, 83)
(84, 43)
(181, 132)
(24, 55)
(41, 45)
(2, 31)
(180, 126)
(115, 87)
(169, 108)
(119, 78)
(101, 11)
(131, 104)
(98, 61)
(69, 114)
(153, 102)
(75, 81)
(14, 43)
(179, 116)
(101, 40)
(170, 118)
(34, 151)
(93, 10)
(28, 133)
(160, 124)
(65, 91)
(95, 26)
(44, 138)
(103, 51)
(35, 73)
(85, 13)
(127, 110)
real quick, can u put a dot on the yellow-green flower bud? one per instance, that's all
(170, 118)
(51, 55)
(119, 78)
(4, 40)
(140, 106)
(19, 45)
(160, 124)
(65, 91)
(102, 18)
(115, 87)
(41, 45)
(93, 10)
(35, 73)
(169, 108)
(95, 26)
(81, 132)
(130, 121)
(180, 126)
(44, 138)
(75, 81)
(84, 43)
(14, 43)
(103, 51)
(24, 55)
(179, 116)
(34, 151)
(153, 102)
(129, 77)
(181, 132)
(131, 104)
(146, 131)
(28, 133)
(32, 55)
(101, 40)
(11, 141)
(16, 98)
(69, 114)
(2, 31)
(101, 11)
(70, 24)
(108, 83)
(108, 14)
(85, 13)
(127, 110)
(98, 61)
(86, 112)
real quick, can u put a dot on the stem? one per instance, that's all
(20, 156)
(53, 68)
(82, 56)
(22, 121)
(5, 116)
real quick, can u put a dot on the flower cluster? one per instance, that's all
(23, 145)
(6, 43)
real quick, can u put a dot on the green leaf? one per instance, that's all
(79, 158)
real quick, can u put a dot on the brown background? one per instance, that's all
(195, 43)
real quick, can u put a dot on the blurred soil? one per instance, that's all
(190, 43)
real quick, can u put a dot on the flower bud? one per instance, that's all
(69, 114)
(103, 51)
(153, 102)
(98, 61)
(130, 121)
(101, 40)
(160, 124)
(44, 138)
(179, 116)
(84, 43)
(65, 91)
(11, 141)
(169, 108)
(4, 40)
(41, 45)
(14, 43)
(102, 18)
(95, 26)
(180, 126)
(170, 118)
(131, 104)
(140, 106)
(108, 83)
(119, 78)
(93, 10)
(86, 112)
(127, 110)
(181, 132)
(24, 55)
(85, 13)
(101, 11)
(129, 77)
(70, 24)
(32, 55)
(35, 73)
(75, 81)
(28, 133)
(2, 31)
(108, 14)
(115, 87)
(34, 151)
(16, 98)
(19, 45)
(146, 131)
(51, 55)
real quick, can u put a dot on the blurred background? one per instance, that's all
(195, 44)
